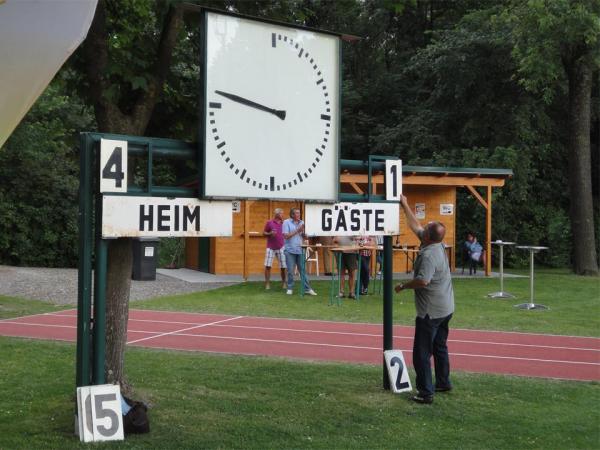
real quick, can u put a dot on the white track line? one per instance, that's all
(34, 315)
(181, 333)
(371, 324)
(462, 341)
(331, 321)
(357, 347)
(40, 325)
(184, 329)
(341, 333)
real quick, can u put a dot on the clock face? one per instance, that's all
(271, 111)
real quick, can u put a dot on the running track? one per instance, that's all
(536, 355)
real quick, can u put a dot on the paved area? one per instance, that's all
(59, 286)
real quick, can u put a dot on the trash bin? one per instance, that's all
(145, 257)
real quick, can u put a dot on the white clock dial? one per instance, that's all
(272, 111)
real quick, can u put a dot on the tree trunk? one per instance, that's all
(118, 277)
(579, 72)
(111, 119)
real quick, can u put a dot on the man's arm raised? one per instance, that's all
(413, 223)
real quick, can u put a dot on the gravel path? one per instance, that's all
(59, 286)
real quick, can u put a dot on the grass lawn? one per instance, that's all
(215, 401)
(574, 304)
(17, 307)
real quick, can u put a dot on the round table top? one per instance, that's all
(533, 248)
(503, 243)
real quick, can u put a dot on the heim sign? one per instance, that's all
(164, 217)
(350, 219)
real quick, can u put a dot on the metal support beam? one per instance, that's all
(488, 233)
(388, 297)
(99, 331)
(84, 273)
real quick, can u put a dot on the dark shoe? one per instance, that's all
(352, 296)
(328, 274)
(422, 399)
(365, 292)
(443, 389)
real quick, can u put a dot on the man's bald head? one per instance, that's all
(435, 232)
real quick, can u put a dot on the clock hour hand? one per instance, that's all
(244, 101)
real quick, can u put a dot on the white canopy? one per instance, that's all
(36, 38)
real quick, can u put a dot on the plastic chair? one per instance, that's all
(312, 257)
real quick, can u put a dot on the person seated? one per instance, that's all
(475, 252)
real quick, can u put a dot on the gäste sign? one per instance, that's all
(349, 219)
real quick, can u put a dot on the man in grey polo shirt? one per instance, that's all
(434, 301)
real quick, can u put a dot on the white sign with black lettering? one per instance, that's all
(164, 217)
(393, 179)
(113, 166)
(99, 413)
(349, 219)
(397, 371)
(446, 209)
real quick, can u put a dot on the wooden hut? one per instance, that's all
(431, 191)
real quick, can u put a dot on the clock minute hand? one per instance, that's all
(244, 101)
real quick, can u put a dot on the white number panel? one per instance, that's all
(113, 166)
(397, 371)
(99, 413)
(393, 179)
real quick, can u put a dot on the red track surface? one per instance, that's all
(537, 355)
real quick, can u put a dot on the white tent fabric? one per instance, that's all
(36, 38)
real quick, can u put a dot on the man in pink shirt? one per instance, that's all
(275, 245)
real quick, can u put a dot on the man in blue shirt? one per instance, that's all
(293, 232)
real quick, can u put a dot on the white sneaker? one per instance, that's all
(289, 292)
(311, 292)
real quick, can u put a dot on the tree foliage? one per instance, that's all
(466, 83)
(557, 48)
(39, 180)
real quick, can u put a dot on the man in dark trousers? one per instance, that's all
(434, 302)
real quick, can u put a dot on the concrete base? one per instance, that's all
(531, 306)
(500, 295)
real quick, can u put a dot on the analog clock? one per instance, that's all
(271, 110)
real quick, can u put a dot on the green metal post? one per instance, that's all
(149, 167)
(100, 312)
(82, 377)
(388, 320)
(302, 271)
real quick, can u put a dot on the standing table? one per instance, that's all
(336, 253)
(532, 251)
(501, 293)
(408, 250)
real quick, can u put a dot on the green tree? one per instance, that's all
(38, 183)
(557, 46)
(125, 61)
